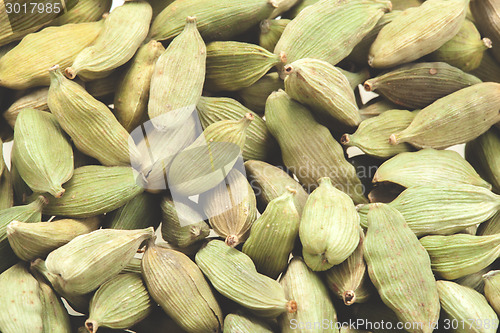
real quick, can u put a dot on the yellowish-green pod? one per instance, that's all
(474, 280)
(400, 269)
(35, 99)
(492, 289)
(270, 33)
(35, 240)
(218, 20)
(125, 28)
(89, 260)
(417, 31)
(90, 124)
(55, 316)
(376, 107)
(458, 255)
(178, 77)
(490, 227)
(282, 6)
(255, 96)
(372, 135)
(488, 70)
(131, 97)
(428, 167)
(322, 87)
(311, 295)
(6, 190)
(329, 227)
(466, 307)
(119, 303)
(84, 11)
(242, 322)
(486, 15)
(183, 294)
(140, 212)
(43, 171)
(234, 65)
(456, 118)
(233, 275)
(104, 88)
(27, 64)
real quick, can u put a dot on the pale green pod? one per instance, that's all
(313, 302)
(417, 31)
(119, 303)
(322, 87)
(486, 15)
(474, 280)
(177, 80)
(492, 289)
(35, 240)
(490, 227)
(43, 171)
(241, 322)
(329, 30)
(26, 65)
(282, 6)
(255, 96)
(54, 315)
(125, 28)
(372, 135)
(456, 118)
(467, 307)
(132, 94)
(84, 11)
(329, 227)
(183, 294)
(270, 33)
(235, 65)
(21, 308)
(428, 167)
(295, 10)
(21, 191)
(6, 190)
(376, 107)
(89, 260)
(140, 212)
(91, 125)
(272, 236)
(488, 70)
(233, 275)
(95, 190)
(458, 255)
(104, 88)
(35, 99)
(400, 269)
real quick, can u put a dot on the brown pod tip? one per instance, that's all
(283, 57)
(195, 231)
(291, 190)
(349, 297)
(288, 69)
(59, 193)
(345, 139)
(274, 3)
(291, 306)
(191, 19)
(265, 26)
(249, 116)
(70, 73)
(393, 140)
(232, 240)
(368, 85)
(91, 325)
(487, 42)
(54, 68)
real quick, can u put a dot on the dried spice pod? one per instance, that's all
(119, 303)
(346, 23)
(250, 61)
(428, 167)
(218, 20)
(405, 4)
(132, 94)
(34, 99)
(241, 322)
(486, 15)
(474, 280)
(90, 124)
(140, 212)
(20, 189)
(355, 78)
(260, 294)
(84, 11)
(313, 302)
(174, 93)
(419, 85)
(456, 118)
(270, 33)
(490, 227)
(254, 97)
(416, 32)
(488, 70)
(292, 125)
(458, 255)
(35, 240)
(376, 107)
(492, 289)
(6, 190)
(183, 294)
(26, 65)
(282, 6)
(125, 28)
(400, 269)
(372, 134)
(104, 88)
(322, 87)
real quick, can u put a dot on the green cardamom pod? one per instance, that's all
(270, 33)
(474, 280)
(241, 322)
(492, 289)
(282, 6)
(487, 18)
(254, 97)
(6, 190)
(488, 70)
(34, 99)
(84, 11)
(490, 227)
(376, 107)
(357, 78)
(404, 4)
(140, 212)
(104, 89)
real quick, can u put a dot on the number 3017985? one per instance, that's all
(33, 8)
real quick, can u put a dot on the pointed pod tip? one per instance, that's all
(291, 306)
(91, 325)
(249, 116)
(11, 227)
(191, 19)
(393, 140)
(70, 73)
(59, 192)
(291, 190)
(232, 240)
(349, 297)
(487, 43)
(345, 139)
(288, 69)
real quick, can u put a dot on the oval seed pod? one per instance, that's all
(400, 269)
(231, 207)
(131, 97)
(272, 236)
(329, 227)
(35, 99)
(323, 88)
(21, 308)
(313, 302)
(492, 289)
(218, 20)
(487, 18)
(233, 274)
(119, 303)
(428, 167)
(346, 23)
(20, 189)
(26, 64)
(254, 97)
(458, 255)
(292, 125)
(490, 227)
(35, 240)
(43, 171)
(418, 85)
(140, 212)
(103, 89)
(89, 260)
(466, 306)
(224, 59)
(183, 294)
(474, 280)
(416, 32)
(125, 28)
(488, 70)
(173, 92)
(270, 33)
(6, 190)
(372, 134)
(84, 11)
(241, 322)
(457, 118)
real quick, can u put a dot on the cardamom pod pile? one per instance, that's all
(217, 166)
